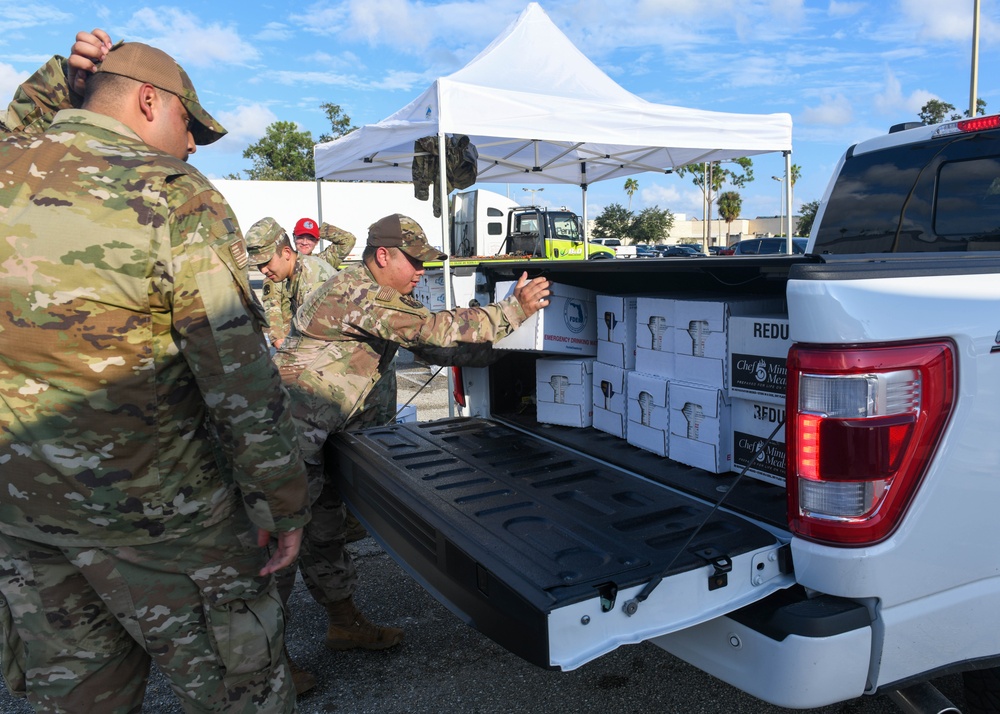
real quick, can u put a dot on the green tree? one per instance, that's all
(340, 123)
(285, 153)
(631, 186)
(935, 111)
(806, 218)
(652, 225)
(615, 221)
(710, 178)
(730, 204)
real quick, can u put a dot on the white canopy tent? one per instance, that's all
(539, 111)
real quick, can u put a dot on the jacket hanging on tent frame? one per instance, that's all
(461, 166)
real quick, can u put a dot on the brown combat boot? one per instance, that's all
(355, 531)
(301, 678)
(349, 629)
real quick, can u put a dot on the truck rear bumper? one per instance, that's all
(785, 650)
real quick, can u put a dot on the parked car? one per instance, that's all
(685, 251)
(769, 246)
(646, 251)
(609, 242)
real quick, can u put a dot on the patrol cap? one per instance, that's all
(149, 65)
(306, 227)
(262, 240)
(399, 231)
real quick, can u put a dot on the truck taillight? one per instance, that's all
(863, 425)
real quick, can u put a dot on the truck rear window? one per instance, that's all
(934, 196)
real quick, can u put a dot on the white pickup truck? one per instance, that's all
(875, 570)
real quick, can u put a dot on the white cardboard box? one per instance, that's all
(616, 330)
(700, 336)
(610, 392)
(654, 350)
(758, 354)
(405, 414)
(700, 427)
(648, 413)
(753, 423)
(564, 391)
(567, 325)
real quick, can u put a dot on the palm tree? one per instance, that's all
(730, 204)
(796, 172)
(631, 186)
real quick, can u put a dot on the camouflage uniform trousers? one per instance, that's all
(326, 565)
(81, 624)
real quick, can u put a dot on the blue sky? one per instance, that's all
(845, 70)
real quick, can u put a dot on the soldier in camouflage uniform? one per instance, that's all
(146, 445)
(306, 235)
(290, 275)
(339, 370)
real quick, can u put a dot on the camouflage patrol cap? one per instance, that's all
(399, 231)
(262, 240)
(152, 66)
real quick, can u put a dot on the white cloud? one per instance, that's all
(275, 32)
(246, 124)
(833, 111)
(16, 16)
(844, 9)
(10, 78)
(315, 78)
(946, 21)
(684, 199)
(891, 101)
(190, 40)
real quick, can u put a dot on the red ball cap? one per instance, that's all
(308, 227)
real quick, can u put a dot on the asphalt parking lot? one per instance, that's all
(445, 666)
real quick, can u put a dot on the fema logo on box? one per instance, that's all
(576, 315)
(756, 373)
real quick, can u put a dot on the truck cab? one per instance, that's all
(545, 233)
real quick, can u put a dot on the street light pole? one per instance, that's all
(975, 60)
(781, 205)
(533, 192)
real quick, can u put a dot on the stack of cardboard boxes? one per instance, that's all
(698, 380)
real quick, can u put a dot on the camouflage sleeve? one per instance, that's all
(389, 315)
(341, 243)
(39, 97)
(277, 310)
(213, 314)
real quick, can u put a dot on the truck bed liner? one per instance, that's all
(507, 529)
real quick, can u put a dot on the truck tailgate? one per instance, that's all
(539, 547)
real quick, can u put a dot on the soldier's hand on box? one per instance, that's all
(533, 295)
(286, 552)
(89, 49)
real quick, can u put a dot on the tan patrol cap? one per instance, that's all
(262, 240)
(399, 231)
(152, 66)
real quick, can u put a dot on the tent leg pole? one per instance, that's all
(449, 301)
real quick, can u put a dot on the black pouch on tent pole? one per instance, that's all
(461, 166)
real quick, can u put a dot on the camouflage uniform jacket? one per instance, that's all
(341, 243)
(281, 300)
(349, 331)
(137, 398)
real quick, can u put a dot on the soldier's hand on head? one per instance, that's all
(286, 552)
(533, 294)
(89, 49)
